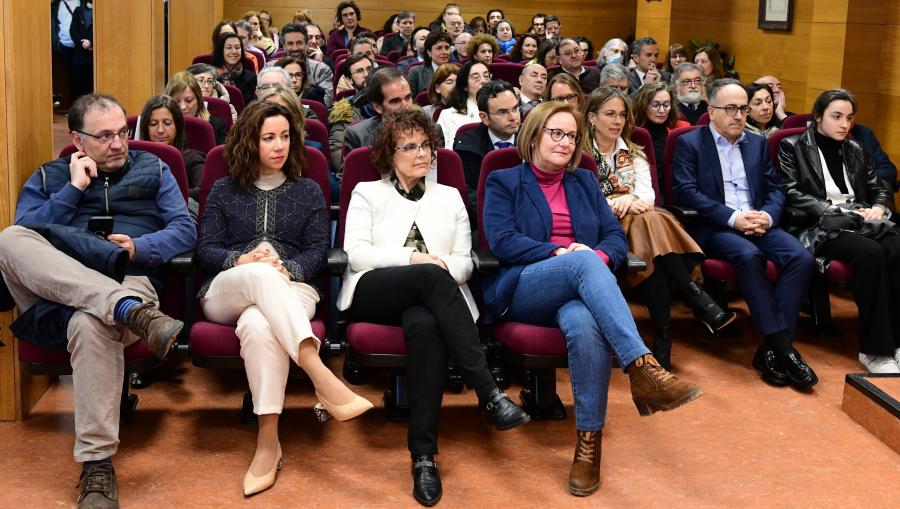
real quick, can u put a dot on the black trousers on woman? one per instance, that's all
(876, 287)
(425, 300)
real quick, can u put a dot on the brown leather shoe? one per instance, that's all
(158, 330)
(654, 389)
(584, 478)
(98, 488)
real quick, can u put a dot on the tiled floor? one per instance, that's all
(743, 444)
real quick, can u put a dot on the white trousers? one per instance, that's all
(272, 316)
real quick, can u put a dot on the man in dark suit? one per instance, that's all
(388, 92)
(500, 113)
(645, 53)
(726, 175)
(688, 82)
(571, 58)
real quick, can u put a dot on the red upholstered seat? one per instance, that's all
(720, 269)
(839, 272)
(236, 97)
(319, 109)
(371, 338)
(220, 109)
(506, 71)
(528, 339)
(798, 120)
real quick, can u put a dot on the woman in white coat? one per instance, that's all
(408, 243)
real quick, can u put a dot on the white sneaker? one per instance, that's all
(879, 363)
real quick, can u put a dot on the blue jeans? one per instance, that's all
(578, 293)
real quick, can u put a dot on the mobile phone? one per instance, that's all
(100, 225)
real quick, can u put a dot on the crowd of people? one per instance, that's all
(558, 231)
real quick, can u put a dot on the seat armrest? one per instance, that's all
(337, 261)
(682, 214)
(485, 261)
(183, 262)
(635, 263)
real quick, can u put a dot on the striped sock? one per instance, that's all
(123, 307)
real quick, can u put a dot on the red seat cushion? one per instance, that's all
(523, 338)
(839, 271)
(210, 339)
(717, 268)
(39, 355)
(376, 338)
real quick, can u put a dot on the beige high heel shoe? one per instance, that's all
(347, 411)
(254, 484)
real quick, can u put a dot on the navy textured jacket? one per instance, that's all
(518, 222)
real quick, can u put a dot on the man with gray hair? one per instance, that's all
(645, 53)
(268, 77)
(532, 83)
(400, 41)
(615, 76)
(571, 58)
(688, 80)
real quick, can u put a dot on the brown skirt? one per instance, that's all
(653, 233)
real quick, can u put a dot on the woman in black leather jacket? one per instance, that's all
(841, 212)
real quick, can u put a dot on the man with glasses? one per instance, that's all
(688, 81)
(501, 116)
(645, 54)
(537, 24)
(361, 47)
(460, 43)
(727, 176)
(571, 58)
(294, 37)
(98, 316)
(437, 53)
(455, 25)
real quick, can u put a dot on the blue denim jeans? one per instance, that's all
(578, 293)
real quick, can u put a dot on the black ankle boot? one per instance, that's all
(662, 347)
(706, 310)
(426, 480)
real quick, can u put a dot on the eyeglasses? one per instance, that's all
(480, 77)
(557, 135)
(658, 106)
(106, 138)
(732, 109)
(613, 114)
(569, 54)
(506, 112)
(205, 81)
(573, 97)
(412, 148)
(695, 81)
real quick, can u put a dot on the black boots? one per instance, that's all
(662, 347)
(706, 310)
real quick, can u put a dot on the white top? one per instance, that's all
(451, 120)
(267, 183)
(379, 219)
(643, 182)
(832, 191)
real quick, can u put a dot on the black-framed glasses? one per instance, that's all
(732, 109)
(569, 54)
(695, 81)
(107, 137)
(557, 135)
(565, 98)
(506, 112)
(659, 106)
(296, 75)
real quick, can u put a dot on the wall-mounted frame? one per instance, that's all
(776, 15)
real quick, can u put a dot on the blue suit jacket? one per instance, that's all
(698, 184)
(518, 222)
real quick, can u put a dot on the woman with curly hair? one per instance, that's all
(262, 246)
(483, 48)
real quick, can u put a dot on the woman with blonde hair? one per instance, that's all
(183, 87)
(563, 87)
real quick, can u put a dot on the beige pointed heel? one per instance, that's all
(347, 411)
(254, 484)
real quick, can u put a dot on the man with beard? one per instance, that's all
(294, 37)
(688, 82)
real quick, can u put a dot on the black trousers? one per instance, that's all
(876, 287)
(425, 300)
(656, 289)
(79, 73)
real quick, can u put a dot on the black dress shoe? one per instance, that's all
(426, 481)
(766, 362)
(502, 412)
(802, 376)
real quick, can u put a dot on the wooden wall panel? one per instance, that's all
(26, 139)
(129, 62)
(191, 24)
(599, 20)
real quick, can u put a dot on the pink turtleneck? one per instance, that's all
(561, 231)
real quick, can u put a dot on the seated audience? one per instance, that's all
(525, 50)
(877, 157)
(299, 43)
(406, 22)
(267, 27)
(587, 47)
(844, 214)
(558, 243)
(257, 38)
(483, 48)
(537, 24)
(230, 63)
(571, 58)
(455, 25)
(645, 55)
(614, 75)
(547, 55)
(261, 266)
(676, 55)
(389, 30)
(359, 46)
(297, 70)
(437, 53)
(532, 83)
(688, 80)
(408, 242)
(270, 76)
(552, 27)
(205, 75)
(564, 88)
(183, 87)
(415, 50)
(314, 43)
(740, 225)
(652, 233)
(348, 15)
(227, 27)
(244, 31)
(460, 47)
(655, 111)
(388, 92)
(494, 17)
(440, 22)
(479, 26)
(506, 36)
(781, 111)
(463, 104)
(710, 61)
(614, 51)
(442, 85)
(500, 114)
(761, 120)
(150, 222)
(286, 97)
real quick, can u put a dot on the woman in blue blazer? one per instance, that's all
(557, 242)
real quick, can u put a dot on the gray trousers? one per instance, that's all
(33, 268)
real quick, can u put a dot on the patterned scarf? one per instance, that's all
(616, 175)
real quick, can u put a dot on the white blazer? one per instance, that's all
(379, 220)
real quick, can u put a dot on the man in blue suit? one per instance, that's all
(726, 175)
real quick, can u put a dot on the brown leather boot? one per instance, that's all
(584, 478)
(158, 329)
(654, 389)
